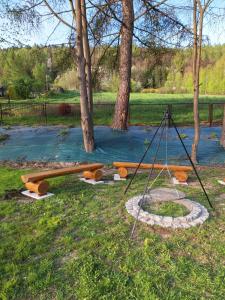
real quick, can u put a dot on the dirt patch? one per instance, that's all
(70, 256)
(15, 194)
(12, 194)
(38, 165)
(163, 232)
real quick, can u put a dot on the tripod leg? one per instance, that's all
(143, 157)
(193, 165)
(149, 177)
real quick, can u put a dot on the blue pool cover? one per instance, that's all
(50, 144)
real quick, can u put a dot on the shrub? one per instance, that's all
(63, 132)
(68, 80)
(135, 86)
(183, 135)
(4, 137)
(65, 109)
(20, 88)
(111, 84)
(149, 90)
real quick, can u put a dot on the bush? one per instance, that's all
(65, 109)
(150, 90)
(68, 80)
(3, 137)
(135, 86)
(20, 88)
(111, 84)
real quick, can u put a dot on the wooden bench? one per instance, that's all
(35, 182)
(180, 172)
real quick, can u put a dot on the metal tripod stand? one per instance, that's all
(167, 121)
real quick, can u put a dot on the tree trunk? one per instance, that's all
(197, 49)
(86, 120)
(222, 140)
(87, 57)
(122, 103)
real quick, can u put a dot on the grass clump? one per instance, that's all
(146, 142)
(213, 135)
(183, 136)
(63, 132)
(4, 137)
(167, 209)
(7, 127)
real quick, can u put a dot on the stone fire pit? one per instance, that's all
(196, 216)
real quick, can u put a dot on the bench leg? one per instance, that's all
(39, 187)
(95, 175)
(123, 172)
(181, 176)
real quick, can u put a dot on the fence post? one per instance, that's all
(210, 116)
(1, 114)
(128, 115)
(169, 108)
(45, 110)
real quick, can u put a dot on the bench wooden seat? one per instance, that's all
(35, 182)
(180, 172)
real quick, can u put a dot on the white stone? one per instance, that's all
(91, 181)
(198, 213)
(221, 182)
(177, 182)
(167, 219)
(150, 222)
(36, 196)
(117, 177)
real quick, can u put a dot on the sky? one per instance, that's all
(214, 28)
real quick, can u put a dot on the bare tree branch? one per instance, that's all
(57, 16)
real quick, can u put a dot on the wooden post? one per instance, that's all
(95, 175)
(181, 176)
(1, 114)
(39, 187)
(128, 115)
(123, 172)
(169, 108)
(210, 117)
(45, 112)
(222, 139)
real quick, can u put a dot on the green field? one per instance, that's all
(73, 97)
(75, 245)
(145, 109)
(136, 98)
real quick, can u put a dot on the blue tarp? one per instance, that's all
(46, 144)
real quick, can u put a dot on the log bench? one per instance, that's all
(36, 183)
(180, 172)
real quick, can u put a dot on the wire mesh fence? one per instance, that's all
(139, 113)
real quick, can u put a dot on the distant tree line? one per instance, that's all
(26, 72)
(212, 73)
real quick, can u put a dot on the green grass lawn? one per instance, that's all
(75, 245)
(73, 97)
(169, 209)
(146, 109)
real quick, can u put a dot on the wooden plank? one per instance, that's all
(148, 166)
(59, 172)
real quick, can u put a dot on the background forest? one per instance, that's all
(26, 72)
